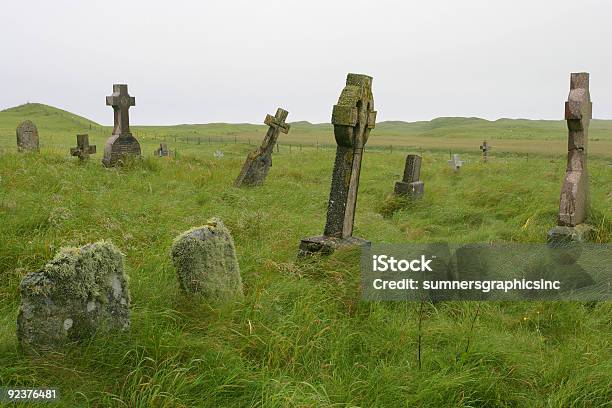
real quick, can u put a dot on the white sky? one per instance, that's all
(189, 61)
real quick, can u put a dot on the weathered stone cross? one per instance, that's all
(121, 102)
(258, 163)
(485, 151)
(121, 143)
(575, 190)
(456, 162)
(353, 119)
(410, 185)
(83, 149)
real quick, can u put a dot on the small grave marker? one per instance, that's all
(455, 163)
(410, 185)
(83, 149)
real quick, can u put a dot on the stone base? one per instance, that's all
(566, 235)
(118, 147)
(327, 245)
(414, 190)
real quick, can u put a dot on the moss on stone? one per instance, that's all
(206, 264)
(78, 273)
(79, 292)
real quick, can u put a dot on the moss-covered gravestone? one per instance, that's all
(206, 264)
(258, 163)
(353, 119)
(78, 293)
(27, 137)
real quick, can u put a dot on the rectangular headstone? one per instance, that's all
(410, 185)
(27, 137)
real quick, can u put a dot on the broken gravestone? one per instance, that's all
(410, 185)
(27, 137)
(206, 263)
(162, 150)
(83, 149)
(81, 291)
(353, 119)
(121, 143)
(258, 163)
(575, 189)
(455, 163)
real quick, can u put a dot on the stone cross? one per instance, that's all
(410, 185)
(162, 150)
(258, 162)
(456, 162)
(353, 118)
(121, 143)
(83, 149)
(27, 137)
(575, 189)
(485, 151)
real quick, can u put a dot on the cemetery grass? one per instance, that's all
(301, 337)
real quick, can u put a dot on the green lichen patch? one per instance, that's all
(78, 273)
(205, 261)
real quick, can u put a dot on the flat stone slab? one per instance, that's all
(326, 245)
(206, 263)
(80, 292)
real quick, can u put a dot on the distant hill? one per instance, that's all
(45, 117)
(443, 131)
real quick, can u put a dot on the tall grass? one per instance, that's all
(302, 336)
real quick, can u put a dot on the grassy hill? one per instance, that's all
(58, 128)
(47, 118)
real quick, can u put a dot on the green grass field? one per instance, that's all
(301, 337)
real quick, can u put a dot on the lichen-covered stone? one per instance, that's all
(27, 137)
(353, 118)
(81, 291)
(258, 163)
(206, 263)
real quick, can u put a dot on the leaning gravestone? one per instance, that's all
(258, 162)
(410, 185)
(162, 150)
(206, 263)
(121, 143)
(455, 163)
(83, 149)
(27, 137)
(80, 292)
(353, 119)
(575, 189)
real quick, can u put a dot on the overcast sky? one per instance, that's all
(199, 61)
